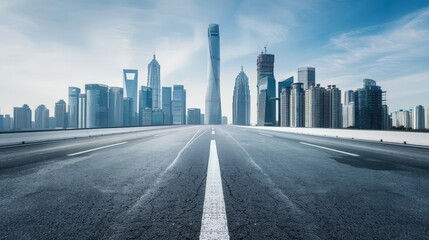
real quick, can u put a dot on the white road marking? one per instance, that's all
(330, 149)
(214, 224)
(95, 149)
(212, 132)
(266, 135)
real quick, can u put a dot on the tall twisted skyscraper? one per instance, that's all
(213, 109)
(154, 82)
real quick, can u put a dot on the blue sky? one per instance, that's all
(46, 46)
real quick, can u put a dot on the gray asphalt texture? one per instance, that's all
(274, 187)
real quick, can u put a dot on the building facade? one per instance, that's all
(213, 110)
(96, 105)
(116, 107)
(368, 106)
(241, 100)
(41, 117)
(73, 107)
(130, 91)
(60, 114)
(22, 117)
(307, 76)
(297, 105)
(145, 102)
(154, 82)
(419, 117)
(166, 105)
(179, 104)
(267, 102)
(194, 116)
(82, 110)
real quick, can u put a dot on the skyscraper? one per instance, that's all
(179, 104)
(267, 102)
(82, 110)
(22, 117)
(116, 107)
(41, 117)
(287, 83)
(285, 107)
(128, 111)
(419, 117)
(348, 109)
(314, 106)
(73, 107)
(60, 114)
(130, 90)
(96, 105)
(265, 68)
(213, 106)
(154, 82)
(166, 105)
(145, 103)
(157, 117)
(194, 116)
(427, 117)
(368, 106)
(297, 105)
(307, 76)
(241, 100)
(336, 109)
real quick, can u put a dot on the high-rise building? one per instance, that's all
(1, 122)
(285, 107)
(145, 101)
(73, 107)
(213, 106)
(297, 105)
(22, 117)
(166, 105)
(419, 117)
(336, 108)
(116, 107)
(264, 68)
(241, 100)
(427, 117)
(154, 82)
(402, 119)
(157, 117)
(348, 105)
(267, 102)
(307, 76)
(41, 117)
(314, 106)
(287, 83)
(96, 105)
(60, 114)
(146, 116)
(130, 91)
(179, 104)
(368, 106)
(82, 110)
(128, 112)
(386, 119)
(194, 116)
(7, 123)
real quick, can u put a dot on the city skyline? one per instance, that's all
(375, 47)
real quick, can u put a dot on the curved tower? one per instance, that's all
(241, 100)
(213, 111)
(154, 82)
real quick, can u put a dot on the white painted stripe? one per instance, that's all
(95, 149)
(266, 135)
(212, 132)
(214, 223)
(330, 149)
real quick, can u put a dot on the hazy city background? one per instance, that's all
(49, 46)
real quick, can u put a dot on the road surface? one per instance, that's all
(207, 182)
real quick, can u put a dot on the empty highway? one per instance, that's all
(213, 182)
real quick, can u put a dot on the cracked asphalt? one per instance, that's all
(153, 187)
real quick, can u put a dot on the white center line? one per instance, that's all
(214, 224)
(95, 149)
(330, 149)
(212, 132)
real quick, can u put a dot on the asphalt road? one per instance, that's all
(152, 185)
